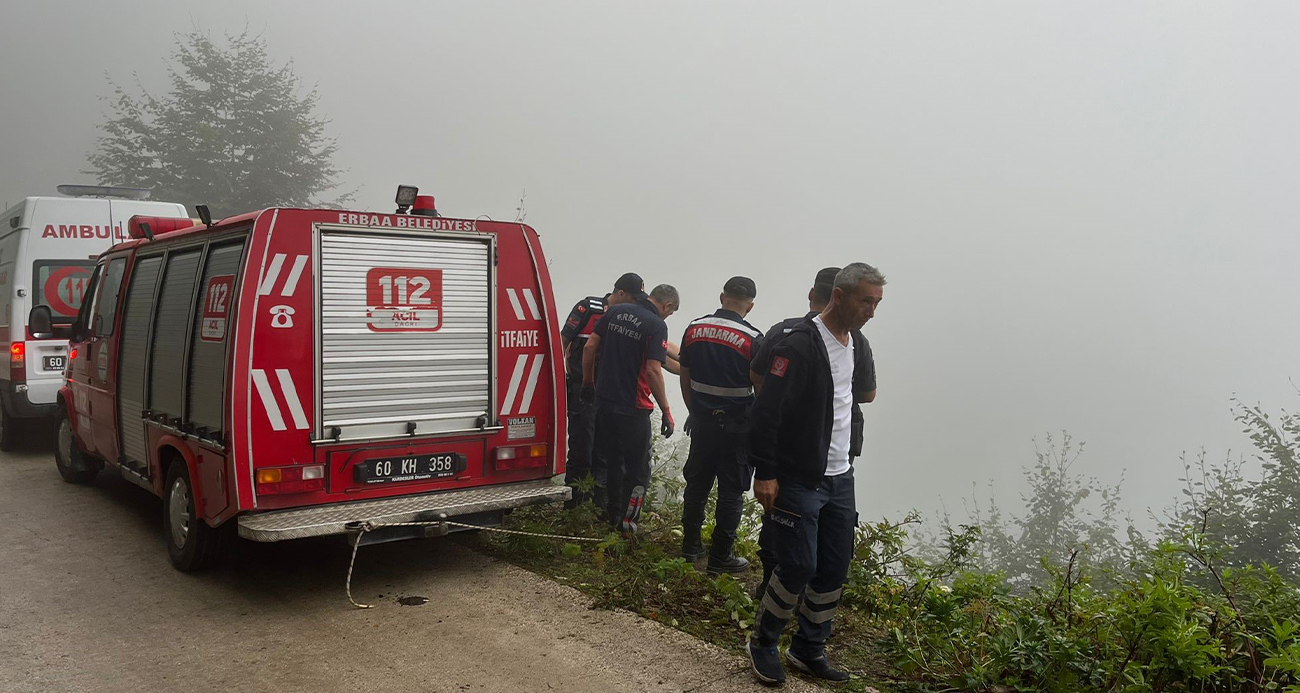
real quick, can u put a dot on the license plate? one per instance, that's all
(411, 468)
(55, 363)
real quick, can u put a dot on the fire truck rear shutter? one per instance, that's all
(134, 350)
(174, 312)
(376, 378)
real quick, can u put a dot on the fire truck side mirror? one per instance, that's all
(41, 322)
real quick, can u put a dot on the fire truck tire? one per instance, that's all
(74, 466)
(191, 543)
(10, 434)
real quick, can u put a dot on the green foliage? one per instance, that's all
(1064, 514)
(1258, 520)
(235, 132)
(1050, 599)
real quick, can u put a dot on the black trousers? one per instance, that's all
(623, 444)
(582, 439)
(719, 450)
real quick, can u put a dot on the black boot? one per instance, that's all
(692, 545)
(721, 560)
(729, 564)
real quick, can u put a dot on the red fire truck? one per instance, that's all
(299, 371)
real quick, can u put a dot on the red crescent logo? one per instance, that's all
(65, 288)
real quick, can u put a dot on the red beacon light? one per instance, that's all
(425, 206)
(141, 226)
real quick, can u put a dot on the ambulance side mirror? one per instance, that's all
(41, 322)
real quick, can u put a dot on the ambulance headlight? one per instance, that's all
(406, 195)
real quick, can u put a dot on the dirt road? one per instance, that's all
(89, 602)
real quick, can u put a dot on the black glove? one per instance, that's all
(587, 394)
(667, 425)
(687, 428)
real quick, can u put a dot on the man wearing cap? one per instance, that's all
(631, 341)
(818, 296)
(803, 473)
(582, 416)
(715, 356)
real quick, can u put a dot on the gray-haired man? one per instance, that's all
(800, 441)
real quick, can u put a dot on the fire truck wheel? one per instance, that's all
(74, 467)
(10, 432)
(191, 543)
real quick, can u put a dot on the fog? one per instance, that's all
(1085, 211)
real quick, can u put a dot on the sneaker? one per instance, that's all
(692, 552)
(730, 564)
(816, 667)
(766, 663)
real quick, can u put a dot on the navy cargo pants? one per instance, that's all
(719, 450)
(582, 438)
(623, 445)
(811, 539)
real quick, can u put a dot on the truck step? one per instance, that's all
(320, 520)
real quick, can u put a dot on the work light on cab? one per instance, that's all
(406, 197)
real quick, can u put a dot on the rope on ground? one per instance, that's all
(364, 527)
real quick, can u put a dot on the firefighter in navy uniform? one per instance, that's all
(631, 342)
(582, 416)
(715, 357)
(800, 446)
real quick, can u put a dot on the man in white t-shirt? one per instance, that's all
(802, 441)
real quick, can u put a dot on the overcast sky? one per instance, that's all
(1086, 211)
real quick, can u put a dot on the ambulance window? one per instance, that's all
(61, 285)
(106, 300)
(171, 327)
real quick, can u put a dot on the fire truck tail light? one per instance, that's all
(272, 480)
(522, 457)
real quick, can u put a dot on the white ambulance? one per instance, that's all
(48, 247)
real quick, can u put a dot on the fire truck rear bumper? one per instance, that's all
(337, 518)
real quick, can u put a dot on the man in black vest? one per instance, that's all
(715, 356)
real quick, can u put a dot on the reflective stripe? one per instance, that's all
(816, 616)
(786, 595)
(772, 606)
(721, 391)
(725, 322)
(822, 597)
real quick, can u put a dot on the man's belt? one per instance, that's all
(721, 391)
